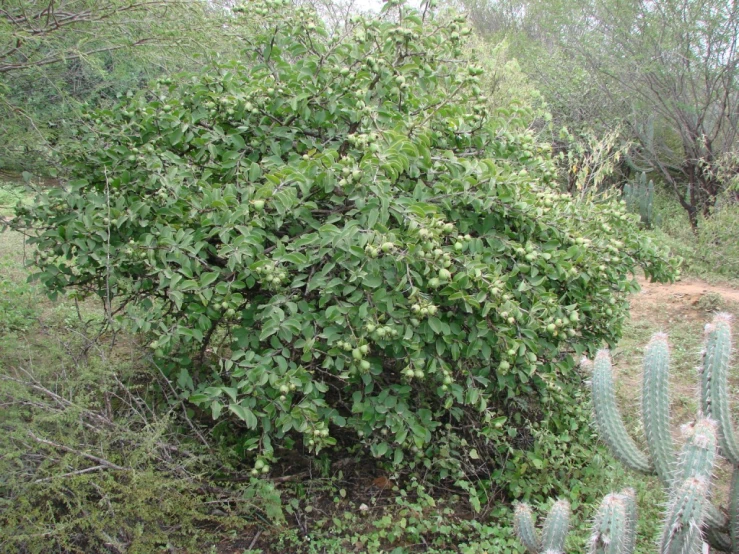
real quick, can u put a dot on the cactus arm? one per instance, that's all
(734, 511)
(608, 419)
(689, 498)
(718, 541)
(629, 498)
(716, 519)
(555, 528)
(656, 407)
(523, 526)
(698, 455)
(685, 514)
(714, 384)
(609, 527)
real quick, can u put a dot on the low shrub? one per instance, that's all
(87, 465)
(338, 242)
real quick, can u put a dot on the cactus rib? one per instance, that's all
(629, 497)
(656, 407)
(610, 526)
(717, 540)
(523, 526)
(686, 510)
(734, 509)
(609, 421)
(555, 528)
(714, 383)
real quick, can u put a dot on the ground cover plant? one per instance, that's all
(336, 243)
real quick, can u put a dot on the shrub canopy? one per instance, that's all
(337, 239)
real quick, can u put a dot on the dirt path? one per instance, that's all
(685, 294)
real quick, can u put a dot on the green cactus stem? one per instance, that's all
(555, 528)
(685, 514)
(608, 419)
(523, 526)
(610, 528)
(698, 455)
(656, 407)
(714, 384)
(719, 541)
(734, 510)
(629, 497)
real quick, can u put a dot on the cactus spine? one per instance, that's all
(608, 419)
(554, 531)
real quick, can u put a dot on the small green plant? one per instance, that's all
(690, 518)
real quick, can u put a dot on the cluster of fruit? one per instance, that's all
(271, 276)
(424, 308)
(260, 466)
(373, 251)
(381, 332)
(350, 175)
(358, 354)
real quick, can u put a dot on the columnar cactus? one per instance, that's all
(690, 518)
(608, 419)
(553, 533)
(614, 529)
(714, 387)
(690, 496)
(685, 514)
(656, 406)
(697, 457)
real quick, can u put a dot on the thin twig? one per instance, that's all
(64, 448)
(71, 473)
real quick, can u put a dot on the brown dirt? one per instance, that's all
(687, 291)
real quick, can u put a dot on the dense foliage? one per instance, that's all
(338, 240)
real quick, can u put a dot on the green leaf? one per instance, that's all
(244, 414)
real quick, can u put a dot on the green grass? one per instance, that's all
(711, 253)
(10, 195)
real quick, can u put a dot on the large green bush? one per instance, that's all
(337, 240)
